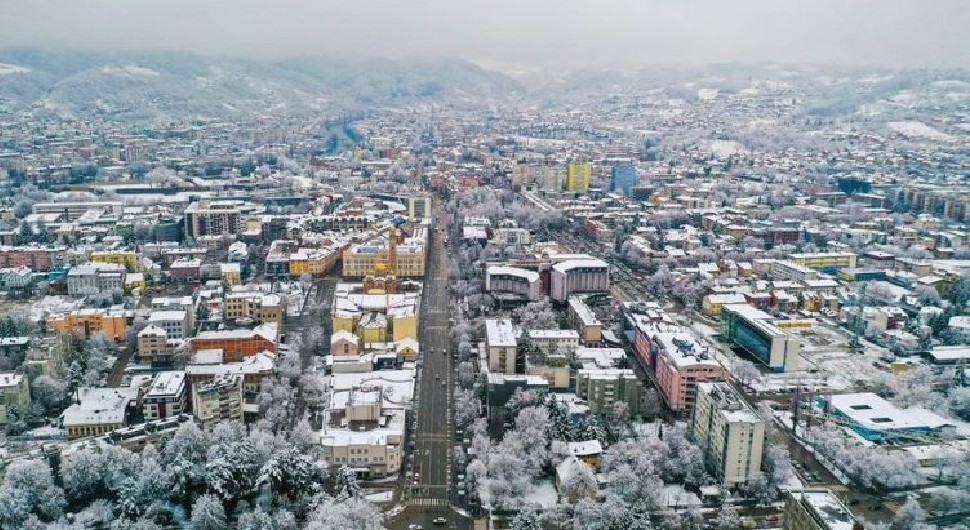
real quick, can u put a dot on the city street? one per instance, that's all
(426, 492)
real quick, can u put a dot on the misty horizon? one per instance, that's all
(504, 35)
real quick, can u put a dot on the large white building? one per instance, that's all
(92, 279)
(174, 322)
(364, 424)
(513, 281)
(579, 276)
(729, 431)
(166, 397)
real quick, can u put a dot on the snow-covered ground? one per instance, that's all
(380, 496)
(129, 70)
(7, 69)
(726, 148)
(543, 494)
(915, 129)
(707, 94)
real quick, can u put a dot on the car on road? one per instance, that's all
(415, 527)
(440, 520)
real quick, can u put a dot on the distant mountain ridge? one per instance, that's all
(166, 85)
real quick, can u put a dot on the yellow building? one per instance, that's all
(713, 303)
(362, 260)
(135, 281)
(404, 324)
(231, 273)
(127, 258)
(577, 177)
(260, 307)
(825, 260)
(375, 318)
(799, 324)
(316, 262)
(90, 322)
(154, 346)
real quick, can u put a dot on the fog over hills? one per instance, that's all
(164, 85)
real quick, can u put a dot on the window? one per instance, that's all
(860, 407)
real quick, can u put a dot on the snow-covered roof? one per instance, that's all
(875, 413)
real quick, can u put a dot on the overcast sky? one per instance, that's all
(545, 33)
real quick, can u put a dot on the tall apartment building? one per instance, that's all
(501, 343)
(623, 179)
(213, 218)
(729, 431)
(218, 398)
(582, 317)
(154, 345)
(602, 387)
(577, 176)
(676, 360)
(817, 509)
(174, 322)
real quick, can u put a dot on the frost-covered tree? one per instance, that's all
(727, 517)
(290, 472)
(526, 519)
(231, 469)
(49, 393)
(28, 489)
(345, 484)
(580, 484)
(537, 315)
(352, 513)
(208, 514)
(760, 488)
(466, 406)
(909, 516)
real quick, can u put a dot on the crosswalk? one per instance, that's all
(426, 501)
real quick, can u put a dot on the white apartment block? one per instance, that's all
(92, 279)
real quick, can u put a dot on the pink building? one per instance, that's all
(39, 259)
(677, 360)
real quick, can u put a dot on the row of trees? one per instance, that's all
(260, 480)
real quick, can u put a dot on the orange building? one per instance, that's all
(238, 343)
(91, 321)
